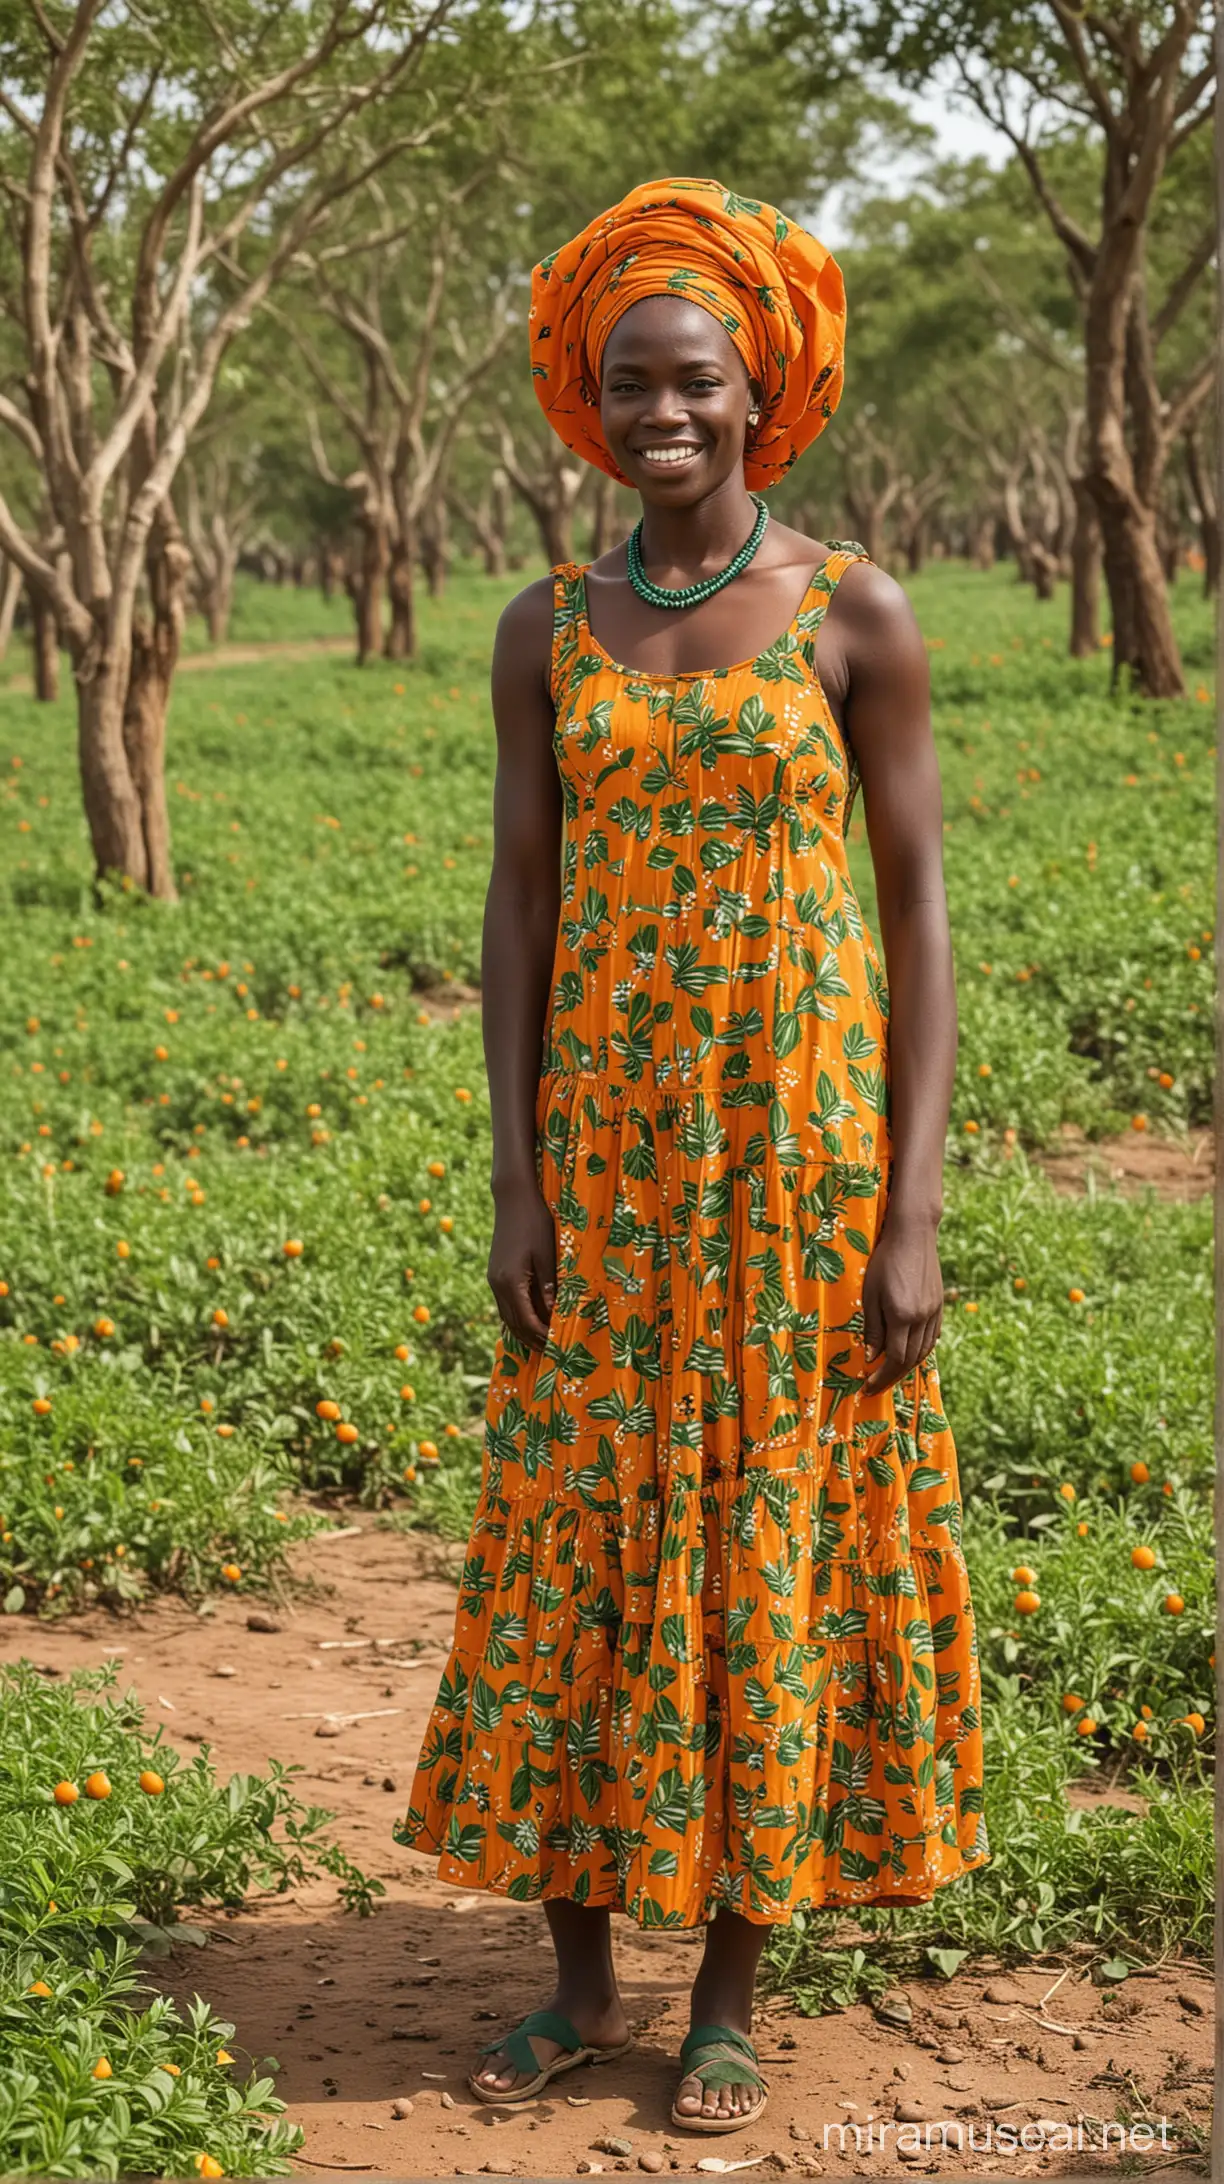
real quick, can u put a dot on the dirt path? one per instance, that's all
(364, 2012)
(1181, 1168)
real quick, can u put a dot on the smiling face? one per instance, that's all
(674, 399)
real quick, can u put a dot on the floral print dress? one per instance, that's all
(714, 1643)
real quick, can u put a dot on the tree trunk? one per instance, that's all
(45, 637)
(157, 635)
(915, 546)
(604, 526)
(10, 593)
(1118, 378)
(1043, 569)
(1085, 576)
(112, 806)
(984, 540)
(1206, 514)
(365, 584)
(331, 569)
(401, 629)
(435, 547)
(1143, 639)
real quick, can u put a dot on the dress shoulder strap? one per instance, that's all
(842, 554)
(569, 613)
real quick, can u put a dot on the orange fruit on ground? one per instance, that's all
(1081, 1531)
(1027, 1603)
(220, 1317)
(224, 2056)
(102, 2068)
(206, 2166)
(347, 1434)
(1075, 1296)
(1067, 1491)
(151, 1783)
(1195, 1722)
(1138, 1122)
(65, 1793)
(1140, 1474)
(1146, 1712)
(104, 1327)
(407, 1394)
(402, 1352)
(97, 1785)
(1143, 1558)
(327, 1409)
(1087, 1727)
(420, 1313)
(1174, 1604)
(292, 1247)
(1139, 1732)
(1072, 1703)
(437, 1168)
(231, 1572)
(429, 1450)
(1022, 1575)
(1019, 1283)
(462, 1094)
(38, 1986)
(40, 1406)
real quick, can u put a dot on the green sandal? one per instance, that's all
(715, 2055)
(516, 2046)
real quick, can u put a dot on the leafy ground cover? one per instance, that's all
(244, 1146)
(106, 1836)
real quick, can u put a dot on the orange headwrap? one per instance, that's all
(775, 290)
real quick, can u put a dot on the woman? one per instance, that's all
(714, 1654)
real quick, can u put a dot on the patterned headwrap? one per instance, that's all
(774, 289)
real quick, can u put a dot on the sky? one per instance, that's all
(960, 133)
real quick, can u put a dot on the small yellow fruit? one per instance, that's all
(97, 1785)
(1027, 1603)
(151, 1783)
(102, 2068)
(65, 1793)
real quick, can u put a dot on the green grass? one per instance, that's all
(193, 1087)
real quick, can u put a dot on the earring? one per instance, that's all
(754, 418)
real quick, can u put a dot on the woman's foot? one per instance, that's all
(722, 1996)
(598, 2018)
(726, 2104)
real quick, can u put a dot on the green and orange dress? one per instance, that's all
(714, 1644)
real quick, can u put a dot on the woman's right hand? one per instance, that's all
(523, 1263)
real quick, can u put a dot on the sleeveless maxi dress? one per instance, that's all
(714, 1643)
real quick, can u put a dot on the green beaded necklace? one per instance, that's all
(691, 595)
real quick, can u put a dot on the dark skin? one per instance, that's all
(671, 377)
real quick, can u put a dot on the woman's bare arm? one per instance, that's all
(520, 932)
(888, 718)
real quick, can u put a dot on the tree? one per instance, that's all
(422, 328)
(1135, 81)
(168, 163)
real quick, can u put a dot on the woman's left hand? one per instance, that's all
(902, 1301)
